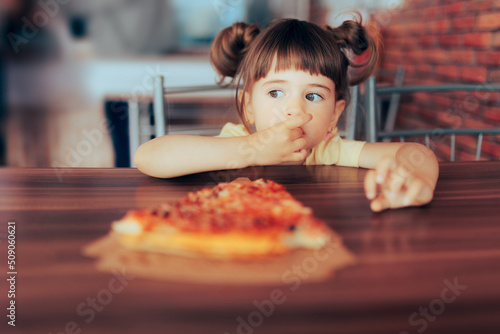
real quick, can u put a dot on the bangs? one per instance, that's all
(297, 45)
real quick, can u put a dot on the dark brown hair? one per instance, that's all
(244, 53)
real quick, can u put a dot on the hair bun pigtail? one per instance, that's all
(353, 36)
(229, 47)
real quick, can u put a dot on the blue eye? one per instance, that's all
(276, 93)
(314, 97)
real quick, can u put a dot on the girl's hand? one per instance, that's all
(394, 185)
(283, 142)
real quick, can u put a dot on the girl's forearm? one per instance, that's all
(177, 155)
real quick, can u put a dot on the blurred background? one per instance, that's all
(69, 68)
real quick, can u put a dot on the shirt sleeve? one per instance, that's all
(233, 130)
(349, 152)
(336, 151)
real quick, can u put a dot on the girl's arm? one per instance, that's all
(403, 174)
(176, 155)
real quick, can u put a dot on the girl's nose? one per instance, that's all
(293, 108)
(293, 111)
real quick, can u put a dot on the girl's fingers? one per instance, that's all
(380, 204)
(298, 144)
(297, 121)
(418, 193)
(399, 178)
(296, 133)
(299, 155)
(384, 167)
(370, 185)
(413, 192)
(393, 186)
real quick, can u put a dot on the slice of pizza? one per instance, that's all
(237, 220)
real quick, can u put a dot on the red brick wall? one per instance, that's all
(446, 41)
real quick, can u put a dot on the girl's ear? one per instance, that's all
(339, 108)
(247, 110)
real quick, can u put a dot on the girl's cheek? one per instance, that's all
(275, 117)
(274, 120)
(263, 124)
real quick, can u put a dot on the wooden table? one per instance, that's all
(434, 269)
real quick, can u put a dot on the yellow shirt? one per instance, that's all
(335, 151)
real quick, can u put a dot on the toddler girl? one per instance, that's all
(295, 78)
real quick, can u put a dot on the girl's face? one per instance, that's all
(283, 94)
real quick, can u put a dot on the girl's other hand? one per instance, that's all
(282, 142)
(391, 185)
